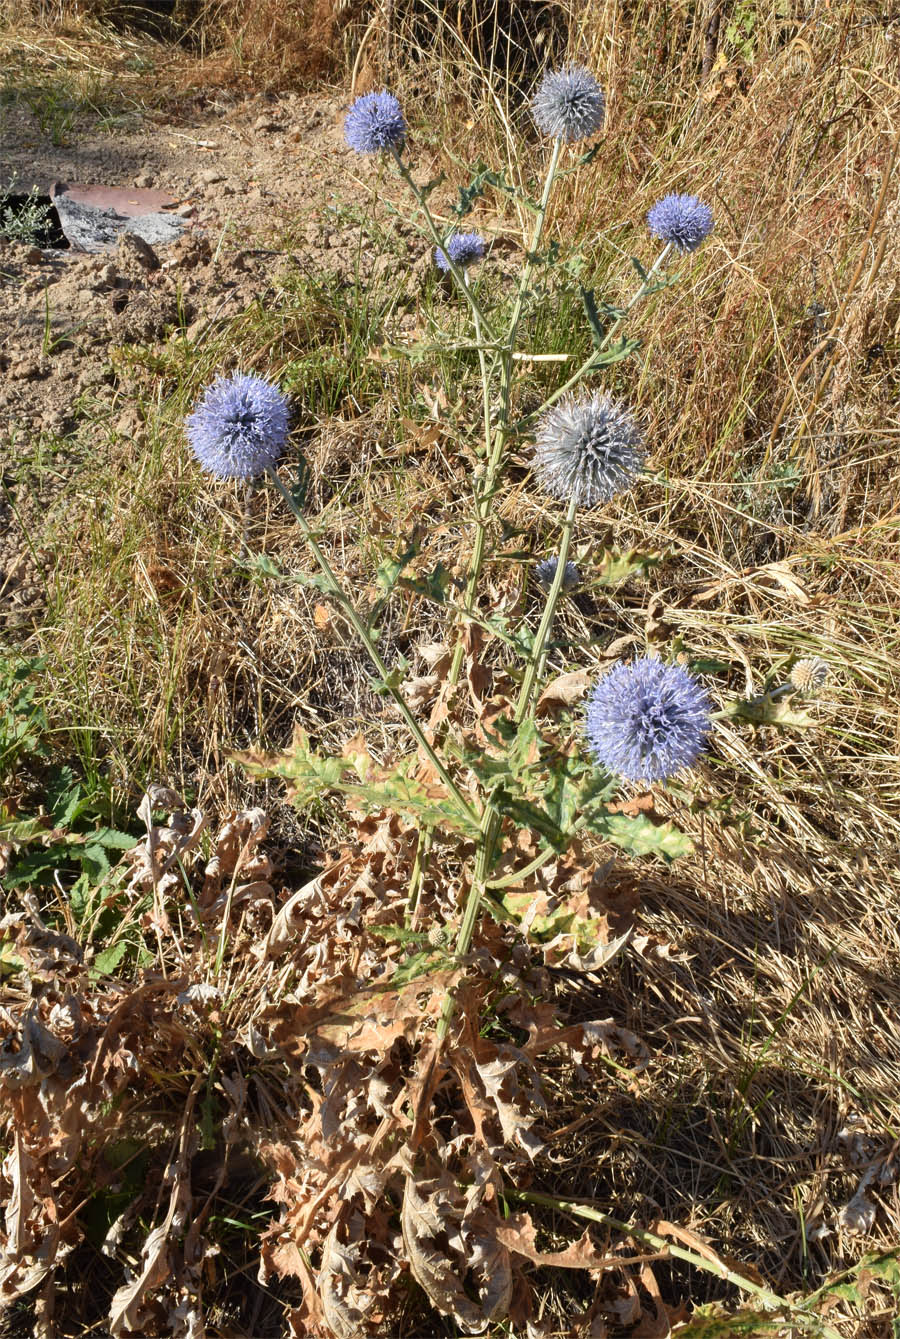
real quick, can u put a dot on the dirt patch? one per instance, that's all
(256, 180)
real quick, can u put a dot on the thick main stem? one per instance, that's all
(491, 819)
(362, 632)
(494, 445)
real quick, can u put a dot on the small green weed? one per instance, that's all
(65, 843)
(26, 222)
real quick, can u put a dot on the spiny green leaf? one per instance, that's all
(397, 934)
(311, 774)
(709, 1322)
(769, 710)
(112, 839)
(639, 835)
(615, 565)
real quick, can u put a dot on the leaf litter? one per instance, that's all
(310, 1048)
(387, 1156)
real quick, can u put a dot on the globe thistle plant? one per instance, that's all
(569, 104)
(647, 720)
(587, 448)
(375, 122)
(681, 220)
(463, 248)
(239, 427)
(545, 571)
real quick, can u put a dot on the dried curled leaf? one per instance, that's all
(451, 1241)
(130, 1308)
(39, 1054)
(346, 1298)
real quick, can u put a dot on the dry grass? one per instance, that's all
(766, 984)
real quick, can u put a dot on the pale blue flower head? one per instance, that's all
(587, 447)
(569, 104)
(375, 122)
(239, 426)
(682, 220)
(647, 720)
(463, 248)
(545, 572)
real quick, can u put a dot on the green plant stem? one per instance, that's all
(536, 659)
(491, 820)
(589, 362)
(771, 1301)
(362, 632)
(482, 363)
(495, 444)
(486, 492)
(470, 914)
(458, 274)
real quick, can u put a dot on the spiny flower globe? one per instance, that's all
(239, 427)
(647, 720)
(569, 104)
(683, 220)
(545, 572)
(587, 448)
(375, 122)
(809, 675)
(463, 248)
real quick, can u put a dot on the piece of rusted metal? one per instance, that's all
(93, 218)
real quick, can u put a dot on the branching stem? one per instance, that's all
(455, 270)
(589, 362)
(335, 590)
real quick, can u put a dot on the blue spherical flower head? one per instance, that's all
(647, 720)
(375, 122)
(463, 248)
(569, 104)
(682, 220)
(587, 448)
(545, 572)
(239, 427)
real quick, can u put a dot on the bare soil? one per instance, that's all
(243, 171)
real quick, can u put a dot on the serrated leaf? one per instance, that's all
(639, 835)
(108, 960)
(95, 862)
(767, 710)
(397, 934)
(483, 176)
(112, 839)
(260, 565)
(310, 775)
(616, 565)
(614, 354)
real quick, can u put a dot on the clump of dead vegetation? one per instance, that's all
(295, 1032)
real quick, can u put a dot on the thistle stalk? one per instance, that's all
(494, 445)
(485, 494)
(335, 590)
(490, 824)
(457, 272)
(590, 362)
(536, 659)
